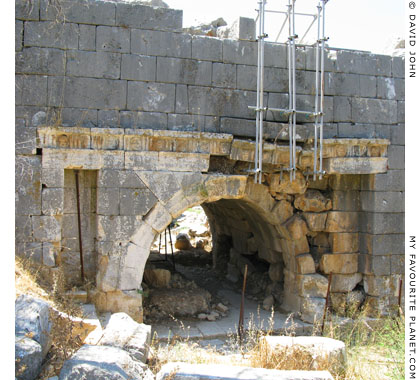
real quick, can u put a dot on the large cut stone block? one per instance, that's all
(144, 96)
(28, 357)
(51, 34)
(136, 201)
(108, 201)
(312, 309)
(119, 228)
(34, 92)
(355, 165)
(301, 246)
(223, 75)
(185, 71)
(387, 244)
(181, 371)
(158, 218)
(138, 67)
(87, 37)
(206, 48)
(342, 221)
(312, 201)
(80, 12)
(46, 228)
(282, 210)
(381, 286)
(315, 221)
(93, 64)
(312, 285)
(345, 200)
(343, 242)
(296, 227)
(344, 283)
(52, 201)
(284, 185)
(382, 201)
(114, 39)
(40, 61)
(365, 110)
(158, 43)
(28, 185)
(25, 10)
(305, 264)
(382, 223)
(344, 182)
(242, 52)
(146, 17)
(345, 263)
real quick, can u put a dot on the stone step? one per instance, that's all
(181, 371)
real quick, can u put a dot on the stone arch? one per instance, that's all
(271, 220)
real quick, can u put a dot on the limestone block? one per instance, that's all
(380, 111)
(344, 182)
(318, 184)
(259, 194)
(223, 75)
(158, 218)
(52, 177)
(343, 242)
(275, 272)
(93, 64)
(144, 235)
(241, 52)
(342, 221)
(51, 34)
(25, 11)
(135, 67)
(312, 309)
(381, 286)
(345, 263)
(355, 165)
(27, 185)
(49, 253)
(297, 186)
(312, 285)
(32, 317)
(42, 61)
(346, 303)
(344, 283)
(184, 71)
(52, 201)
(282, 211)
(136, 201)
(382, 201)
(301, 246)
(315, 221)
(30, 250)
(118, 227)
(157, 278)
(321, 240)
(132, 267)
(108, 201)
(180, 371)
(87, 37)
(305, 264)
(123, 332)
(110, 362)
(392, 180)
(28, 357)
(108, 273)
(206, 48)
(177, 204)
(312, 201)
(296, 227)
(146, 17)
(345, 200)
(46, 228)
(159, 43)
(384, 244)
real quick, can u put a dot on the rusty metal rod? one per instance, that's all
(79, 224)
(241, 312)
(326, 302)
(172, 247)
(399, 295)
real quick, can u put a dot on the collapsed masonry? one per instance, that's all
(157, 121)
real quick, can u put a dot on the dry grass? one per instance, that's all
(39, 282)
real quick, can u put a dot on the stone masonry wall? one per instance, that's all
(123, 66)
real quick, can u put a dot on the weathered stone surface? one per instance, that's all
(180, 371)
(321, 348)
(344, 182)
(136, 201)
(183, 242)
(345, 263)
(51, 34)
(315, 221)
(46, 228)
(345, 200)
(342, 221)
(92, 362)
(312, 201)
(32, 317)
(305, 264)
(381, 286)
(312, 309)
(297, 186)
(312, 285)
(355, 165)
(347, 303)
(123, 332)
(282, 211)
(296, 227)
(345, 283)
(28, 358)
(343, 242)
(301, 246)
(28, 185)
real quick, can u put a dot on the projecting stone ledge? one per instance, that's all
(355, 165)
(182, 371)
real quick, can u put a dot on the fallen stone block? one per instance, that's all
(101, 362)
(182, 371)
(123, 332)
(28, 358)
(32, 317)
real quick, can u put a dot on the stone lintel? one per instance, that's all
(355, 165)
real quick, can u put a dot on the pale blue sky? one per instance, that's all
(355, 24)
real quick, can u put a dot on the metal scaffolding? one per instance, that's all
(291, 111)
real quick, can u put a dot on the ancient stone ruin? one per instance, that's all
(154, 121)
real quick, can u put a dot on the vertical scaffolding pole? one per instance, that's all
(294, 36)
(289, 65)
(262, 37)
(317, 80)
(321, 127)
(257, 117)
